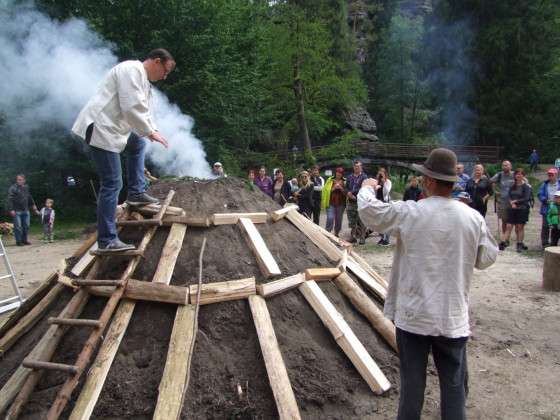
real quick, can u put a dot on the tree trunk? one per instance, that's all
(302, 123)
(413, 113)
(551, 269)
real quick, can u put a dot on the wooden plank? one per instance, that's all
(30, 319)
(39, 365)
(366, 307)
(266, 261)
(174, 381)
(170, 252)
(233, 218)
(143, 222)
(127, 253)
(75, 322)
(187, 220)
(279, 286)
(322, 273)
(364, 264)
(323, 243)
(223, 291)
(99, 370)
(345, 337)
(143, 290)
(280, 214)
(369, 281)
(277, 373)
(152, 209)
(92, 282)
(85, 261)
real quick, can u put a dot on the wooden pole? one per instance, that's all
(366, 307)
(266, 261)
(551, 269)
(277, 372)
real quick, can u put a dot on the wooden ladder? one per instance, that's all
(68, 318)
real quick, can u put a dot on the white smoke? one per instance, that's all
(49, 70)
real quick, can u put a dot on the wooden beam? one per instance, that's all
(223, 291)
(280, 214)
(233, 218)
(187, 220)
(324, 244)
(99, 370)
(145, 290)
(174, 381)
(85, 261)
(369, 281)
(92, 282)
(170, 252)
(75, 322)
(345, 337)
(278, 286)
(322, 273)
(127, 253)
(143, 222)
(152, 209)
(366, 307)
(277, 373)
(266, 261)
(30, 319)
(39, 365)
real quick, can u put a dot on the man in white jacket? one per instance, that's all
(439, 243)
(116, 119)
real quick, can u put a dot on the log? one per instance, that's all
(277, 373)
(174, 381)
(66, 281)
(266, 261)
(233, 218)
(38, 365)
(323, 243)
(187, 220)
(143, 222)
(280, 214)
(345, 337)
(366, 307)
(223, 291)
(30, 319)
(75, 322)
(127, 253)
(369, 281)
(279, 286)
(92, 282)
(152, 209)
(148, 291)
(551, 269)
(170, 252)
(319, 274)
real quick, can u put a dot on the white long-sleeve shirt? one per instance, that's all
(439, 243)
(120, 106)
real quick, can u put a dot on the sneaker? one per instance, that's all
(385, 242)
(362, 241)
(380, 242)
(116, 245)
(502, 246)
(141, 199)
(521, 247)
(506, 243)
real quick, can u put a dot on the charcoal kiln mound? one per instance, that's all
(229, 376)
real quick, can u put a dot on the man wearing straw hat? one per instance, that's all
(439, 243)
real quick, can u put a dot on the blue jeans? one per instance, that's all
(21, 226)
(108, 165)
(450, 357)
(334, 217)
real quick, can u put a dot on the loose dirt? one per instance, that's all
(509, 312)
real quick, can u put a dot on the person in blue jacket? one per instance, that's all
(546, 196)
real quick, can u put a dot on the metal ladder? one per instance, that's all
(14, 301)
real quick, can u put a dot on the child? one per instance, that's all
(47, 219)
(552, 219)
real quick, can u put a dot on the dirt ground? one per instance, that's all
(514, 354)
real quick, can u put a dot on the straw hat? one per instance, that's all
(440, 164)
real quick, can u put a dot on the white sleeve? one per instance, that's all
(387, 185)
(383, 217)
(134, 103)
(487, 250)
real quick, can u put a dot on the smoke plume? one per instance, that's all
(49, 70)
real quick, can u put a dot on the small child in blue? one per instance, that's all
(47, 219)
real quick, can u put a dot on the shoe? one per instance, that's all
(141, 199)
(380, 242)
(19, 244)
(385, 242)
(502, 246)
(521, 247)
(116, 245)
(26, 243)
(506, 243)
(362, 241)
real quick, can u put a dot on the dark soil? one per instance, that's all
(227, 352)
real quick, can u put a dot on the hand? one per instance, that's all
(350, 195)
(157, 137)
(12, 213)
(370, 182)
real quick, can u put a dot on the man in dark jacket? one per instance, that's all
(19, 203)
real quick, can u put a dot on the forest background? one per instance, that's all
(266, 79)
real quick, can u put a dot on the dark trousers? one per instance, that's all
(450, 358)
(316, 209)
(545, 232)
(555, 236)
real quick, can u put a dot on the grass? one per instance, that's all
(63, 229)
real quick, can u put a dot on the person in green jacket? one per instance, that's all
(333, 198)
(552, 219)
